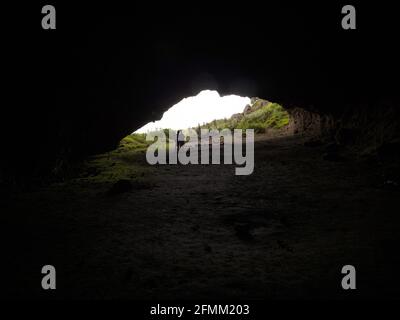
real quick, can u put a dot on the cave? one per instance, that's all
(324, 189)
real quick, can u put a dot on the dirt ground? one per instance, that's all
(199, 231)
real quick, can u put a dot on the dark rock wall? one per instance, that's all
(309, 123)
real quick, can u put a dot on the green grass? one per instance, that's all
(271, 115)
(137, 142)
(134, 141)
(128, 161)
(110, 167)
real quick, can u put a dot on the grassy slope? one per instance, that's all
(271, 115)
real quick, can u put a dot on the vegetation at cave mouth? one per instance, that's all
(260, 115)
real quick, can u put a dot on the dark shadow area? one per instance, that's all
(323, 194)
(123, 229)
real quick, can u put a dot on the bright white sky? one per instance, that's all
(205, 107)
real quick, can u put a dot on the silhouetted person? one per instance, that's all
(180, 139)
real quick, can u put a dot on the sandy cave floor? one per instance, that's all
(199, 231)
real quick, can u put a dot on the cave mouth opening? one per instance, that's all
(208, 109)
(207, 106)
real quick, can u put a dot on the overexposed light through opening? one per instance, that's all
(190, 112)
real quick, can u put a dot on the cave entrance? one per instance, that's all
(210, 110)
(199, 110)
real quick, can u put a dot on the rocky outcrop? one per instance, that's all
(309, 123)
(255, 104)
(237, 116)
(247, 109)
(365, 131)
